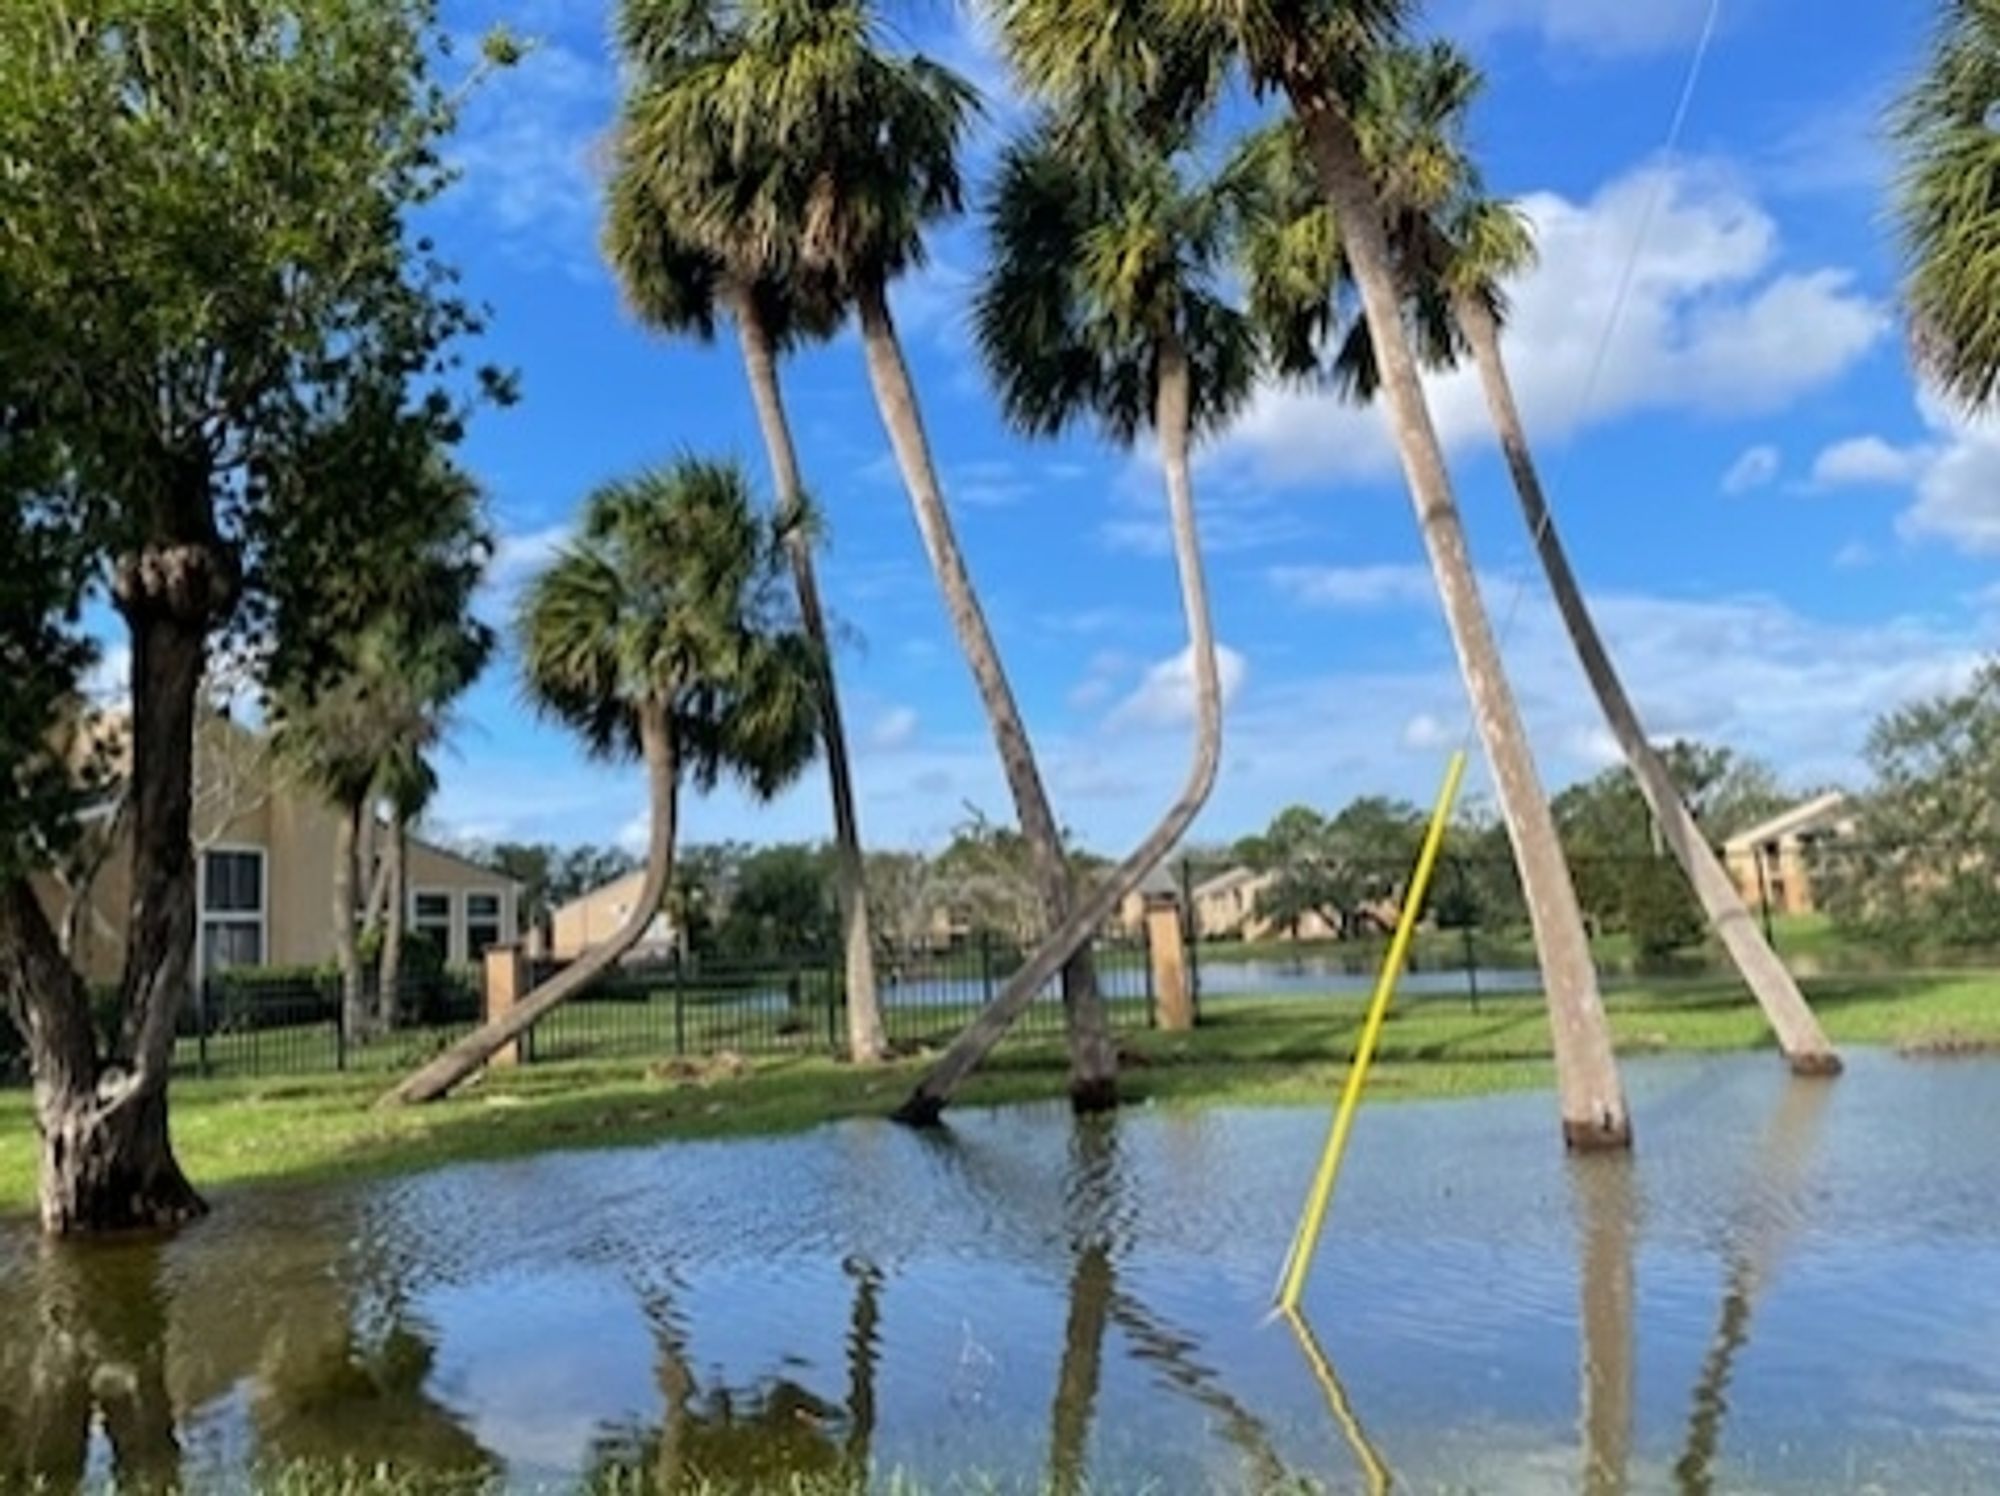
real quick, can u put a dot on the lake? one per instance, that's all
(1792, 1287)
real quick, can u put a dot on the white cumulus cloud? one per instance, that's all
(1864, 461)
(1756, 468)
(1166, 696)
(1355, 588)
(1712, 323)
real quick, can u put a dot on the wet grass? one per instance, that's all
(1249, 1051)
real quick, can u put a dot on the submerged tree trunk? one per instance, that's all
(1093, 1055)
(1593, 1105)
(395, 909)
(1800, 1036)
(1173, 418)
(449, 1069)
(355, 1017)
(867, 1042)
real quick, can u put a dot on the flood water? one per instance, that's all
(1792, 1288)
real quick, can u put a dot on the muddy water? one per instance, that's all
(1793, 1288)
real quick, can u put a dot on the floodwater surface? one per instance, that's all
(1793, 1287)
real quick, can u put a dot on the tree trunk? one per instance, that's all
(449, 1069)
(355, 1017)
(1173, 417)
(395, 910)
(867, 1042)
(1594, 1113)
(1093, 1055)
(1799, 1033)
(374, 864)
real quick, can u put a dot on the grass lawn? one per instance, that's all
(1248, 1051)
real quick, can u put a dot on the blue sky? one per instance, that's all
(1783, 537)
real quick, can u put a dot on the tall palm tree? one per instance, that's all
(1945, 201)
(1104, 299)
(676, 287)
(844, 153)
(658, 635)
(1314, 53)
(1457, 247)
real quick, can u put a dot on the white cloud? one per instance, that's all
(1867, 461)
(1425, 733)
(894, 729)
(530, 149)
(1603, 27)
(1166, 697)
(1958, 491)
(519, 554)
(1756, 468)
(1354, 588)
(1711, 325)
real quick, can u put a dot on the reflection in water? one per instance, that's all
(1770, 1211)
(1606, 1200)
(1374, 1469)
(756, 1310)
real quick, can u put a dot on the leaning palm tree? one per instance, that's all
(1457, 247)
(675, 286)
(1945, 201)
(658, 635)
(1104, 300)
(843, 153)
(1178, 53)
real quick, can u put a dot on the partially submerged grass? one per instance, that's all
(1249, 1051)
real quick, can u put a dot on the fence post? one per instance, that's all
(339, 1027)
(986, 965)
(505, 985)
(1190, 935)
(1166, 957)
(201, 1028)
(1764, 900)
(835, 990)
(1468, 942)
(680, 1015)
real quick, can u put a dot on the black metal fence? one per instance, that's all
(796, 1005)
(251, 1024)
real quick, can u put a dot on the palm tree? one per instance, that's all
(1104, 300)
(843, 153)
(1945, 202)
(1457, 247)
(1176, 53)
(658, 636)
(677, 287)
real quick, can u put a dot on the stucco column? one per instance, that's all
(506, 982)
(1173, 1002)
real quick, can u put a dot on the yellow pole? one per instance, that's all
(1306, 1240)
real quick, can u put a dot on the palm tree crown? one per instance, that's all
(1102, 251)
(1946, 190)
(670, 600)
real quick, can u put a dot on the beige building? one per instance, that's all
(264, 864)
(593, 918)
(1771, 863)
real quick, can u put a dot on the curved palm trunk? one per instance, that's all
(1173, 417)
(1799, 1033)
(395, 909)
(867, 1042)
(1093, 1055)
(354, 1015)
(663, 785)
(1594, 1113)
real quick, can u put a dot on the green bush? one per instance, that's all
(1661, 915)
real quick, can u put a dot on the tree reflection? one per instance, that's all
(1606, 1200)
(1765, 1219)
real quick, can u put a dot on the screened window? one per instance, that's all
(232, 909)
(430, 916)
(482, 923)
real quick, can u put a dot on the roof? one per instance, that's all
(1810, 815)
(462, 860)
(616, 886)
(1236, 877)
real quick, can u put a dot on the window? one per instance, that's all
(482, 923)
(232, 909)
(430, 917)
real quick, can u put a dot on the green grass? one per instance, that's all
(1253, 1051)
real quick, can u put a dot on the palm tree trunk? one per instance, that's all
(1799, 1033)
(395, 910)
(867, 1043)
(354, 1015)
(1592, 1098)
(663, 786)
(1093, 1055)
(1174, 419)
